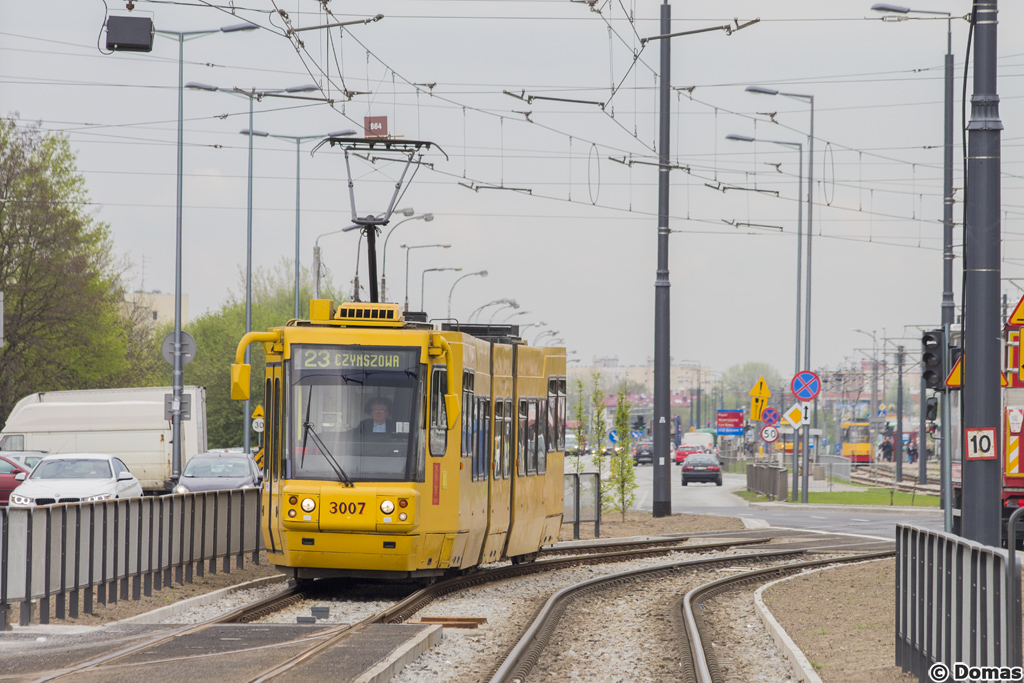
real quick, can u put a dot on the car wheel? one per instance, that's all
(719, 482)
(684, 482)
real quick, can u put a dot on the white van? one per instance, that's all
(703, 440)
(127, 423)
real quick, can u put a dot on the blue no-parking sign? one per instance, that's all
(805, 385)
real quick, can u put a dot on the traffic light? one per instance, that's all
(933, 349)
(931, 408)
(638, 423)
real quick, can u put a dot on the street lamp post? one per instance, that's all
(524, 328)
(799, 253)
(252, 95)
(517, 313)
(481, 273)
(299, 139)
(426, 217)
(177, 379)
(407, 250)
(423, 281)
(810, 231)
(496, 302)
(948, 306)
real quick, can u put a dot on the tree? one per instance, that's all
(739, 379)
(621, 490)
(66, 325)
(598, 426)
(579, 416)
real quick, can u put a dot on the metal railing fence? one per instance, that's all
(769, 480)
(119, 549)
(955, 603)
(582, 496)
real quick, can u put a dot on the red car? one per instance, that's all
(685, 450)
(8, 470)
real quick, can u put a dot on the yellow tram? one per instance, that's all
(394, 449)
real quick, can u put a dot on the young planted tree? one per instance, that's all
(579, 416)
(598, 426)
(620, 493)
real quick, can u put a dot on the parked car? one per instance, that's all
(684, 451)
(27, 459)
(702, 467)
(216, 471)
(9, 469)
(73, 478)
(643, 452)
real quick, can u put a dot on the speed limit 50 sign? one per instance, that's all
(980, 443)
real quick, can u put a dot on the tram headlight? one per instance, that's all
(387, 507)
(402, 516)
(291, 514)
(308, 504)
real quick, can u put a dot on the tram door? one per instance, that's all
(272, 473)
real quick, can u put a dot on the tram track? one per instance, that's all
(396, 613)
(695, 654)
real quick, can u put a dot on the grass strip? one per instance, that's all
(877, 496)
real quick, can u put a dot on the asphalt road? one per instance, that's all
(717, 500)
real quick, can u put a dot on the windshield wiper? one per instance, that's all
(308, 430)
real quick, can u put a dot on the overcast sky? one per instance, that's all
(573, 237)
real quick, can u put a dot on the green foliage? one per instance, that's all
(66, 323)
(579, 416)
(739, 379)
(217, 334)
(620, 493)
(598, 426)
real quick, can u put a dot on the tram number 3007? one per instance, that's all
(347, 508)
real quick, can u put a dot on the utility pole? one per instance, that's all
(897, 447)
(662, 504)
(948, 308)
(922, 439)
(982, 362)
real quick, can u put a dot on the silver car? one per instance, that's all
(74, 478)
(219, 471)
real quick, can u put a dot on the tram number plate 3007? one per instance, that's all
(350, 508)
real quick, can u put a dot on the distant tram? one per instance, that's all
(398, 449)
(856, 442)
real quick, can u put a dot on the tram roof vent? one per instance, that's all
(359, 314)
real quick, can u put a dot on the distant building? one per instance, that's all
(682, 377)
(158, 307)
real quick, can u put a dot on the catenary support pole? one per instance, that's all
(662, 503)
(982, 325)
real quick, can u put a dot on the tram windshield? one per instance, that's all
(354, 412)
(856, 433)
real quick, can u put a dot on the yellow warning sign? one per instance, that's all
(258, 413)
(955, 378)
(760, 390)
(1011, 425)
(757, 406)
(1017, 317)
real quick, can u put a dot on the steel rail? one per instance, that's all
(401, 610)
(704, 661)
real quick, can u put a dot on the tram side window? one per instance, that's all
(560, 418)
(531, 437)
(543, 434)
(274, 431)
(552, 417)
(485, 432)
(467, 416)
(521, 450)
(474, 432)
(506, 442)
(499, 413)
(438, 412)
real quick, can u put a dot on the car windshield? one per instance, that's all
(217, 467)
(72, 468)
(354, 413)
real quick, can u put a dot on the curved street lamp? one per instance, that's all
(426, 217)
(409, 249)
(423, 281)
(481, 273)
(514, 315)
(511, 302)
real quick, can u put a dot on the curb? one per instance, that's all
(804, 671)
(404, 656)
(902, 509)
(160, 613)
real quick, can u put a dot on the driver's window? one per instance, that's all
(438, 412)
